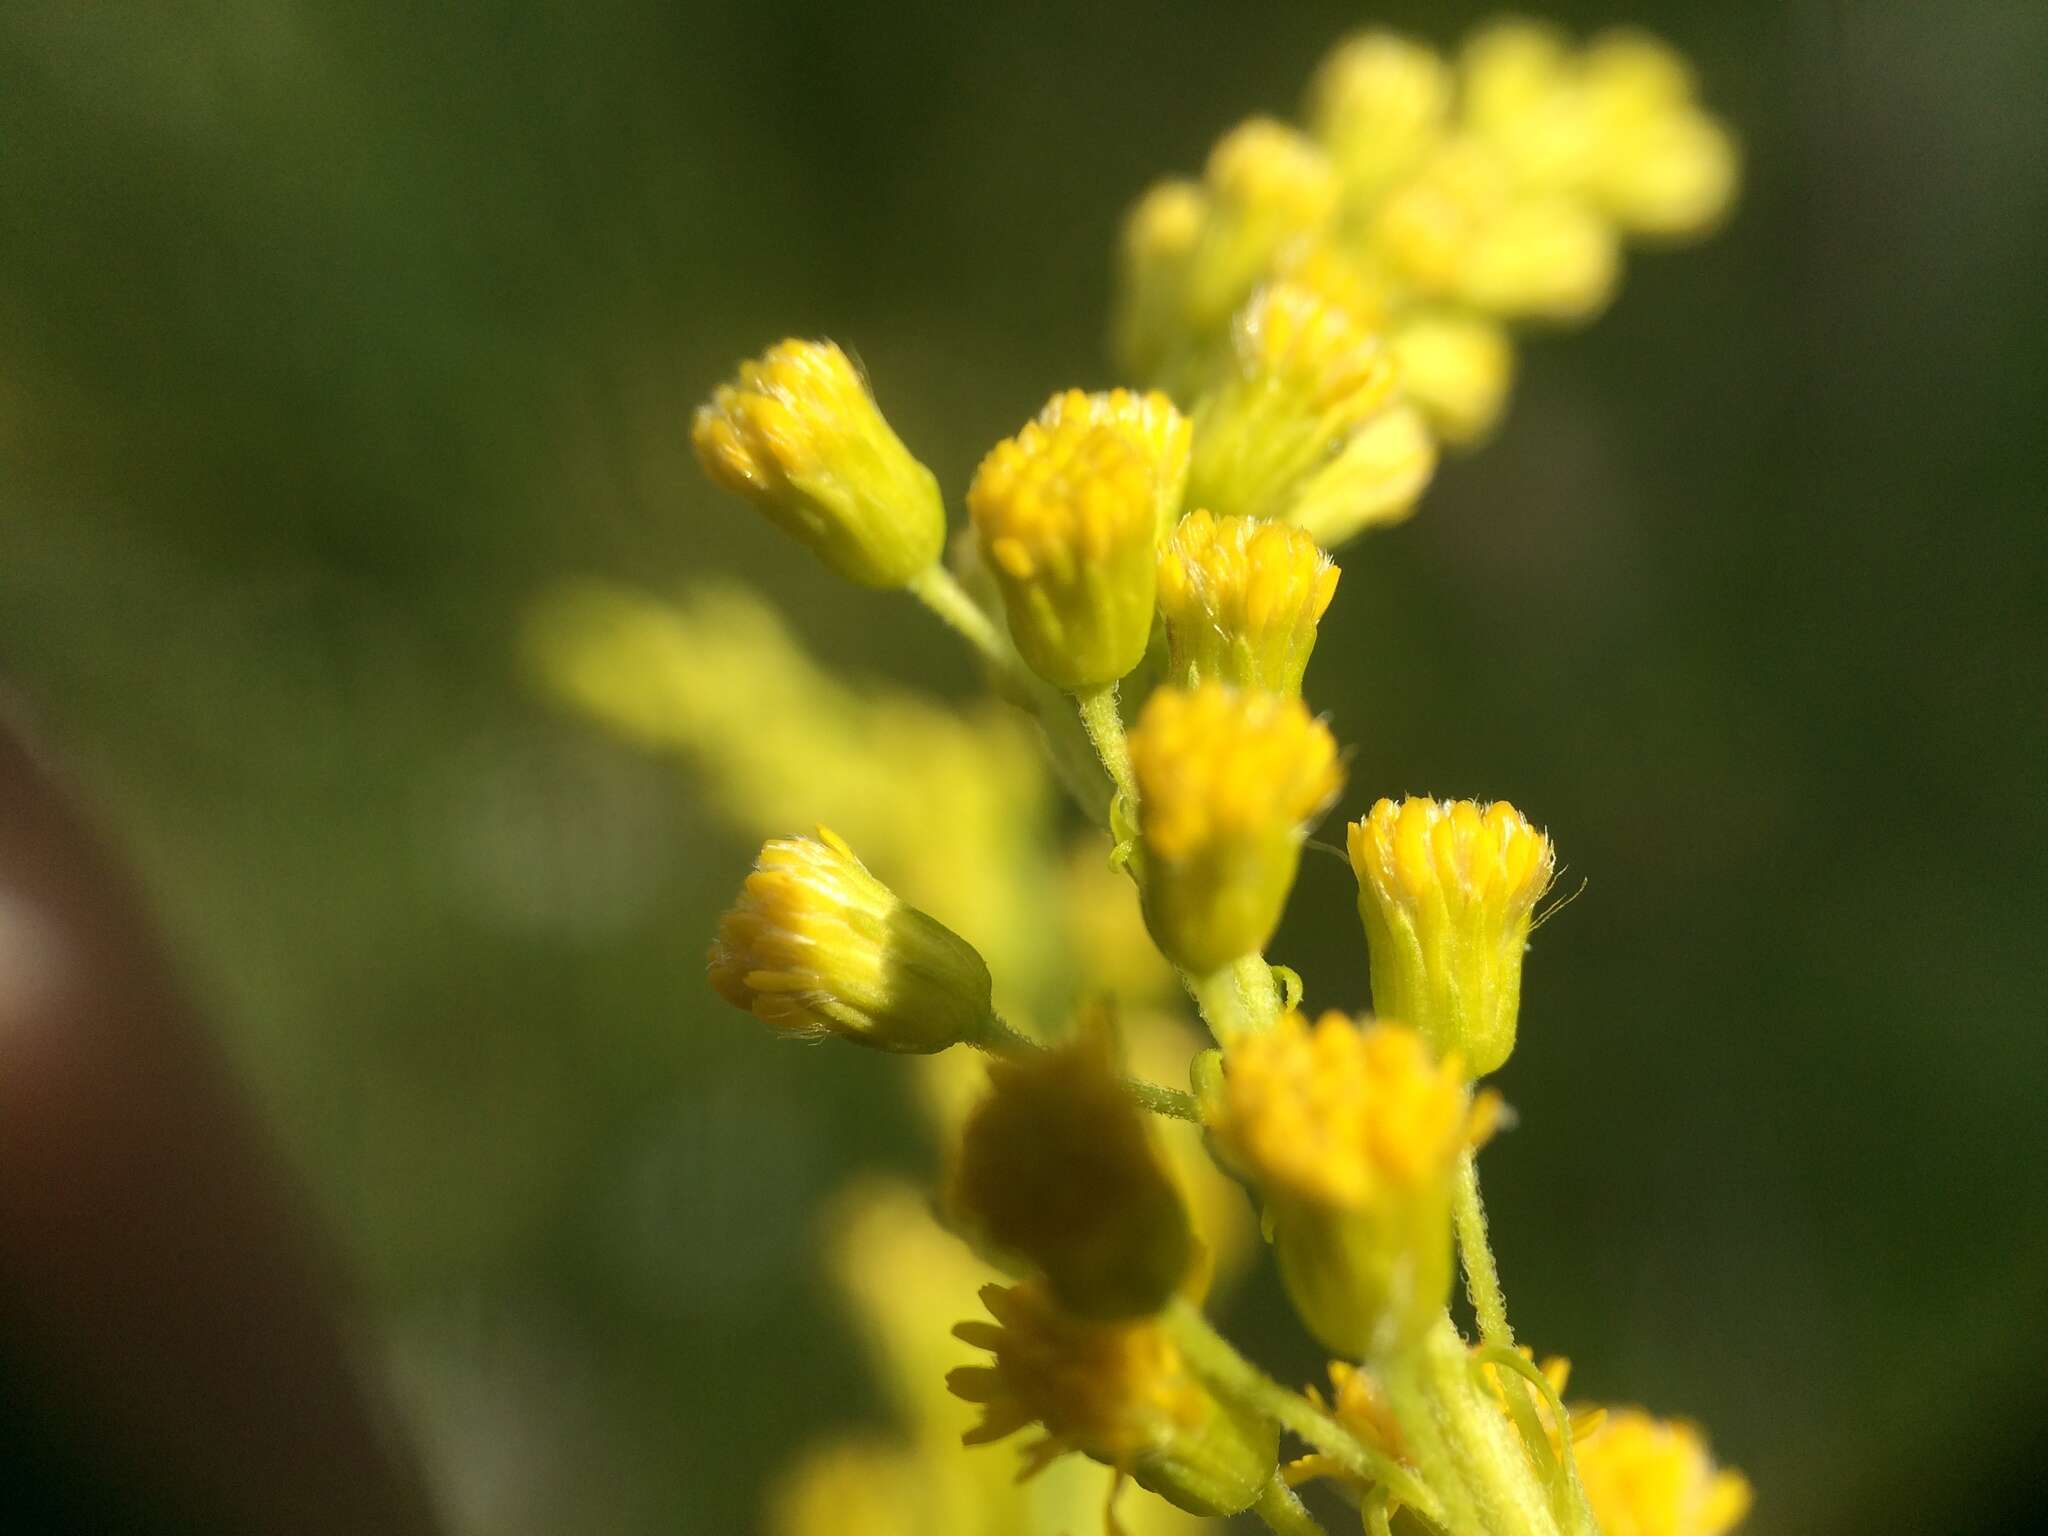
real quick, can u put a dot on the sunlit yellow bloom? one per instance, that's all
(1378, 103)
(1352, 1134)
(1067, 512)
(1447, 891)
(1268, 186)
(1457, 366)
(1228, 784)
(1241, 600)
(816, 945)
(1304, 377)
(1655, 1477)
(798, 434)
(1116, 1392)
(1374, 481)
(1058, 1167)
(1151, 424)
(1549, 258)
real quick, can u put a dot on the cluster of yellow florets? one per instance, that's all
(1328, 305)
(1437, 197)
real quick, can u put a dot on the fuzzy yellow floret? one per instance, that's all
(1241, 600)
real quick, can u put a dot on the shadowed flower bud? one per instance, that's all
(1228, 784)
(798, 434)
(1447, 890)
(1378, 104)
(1059, 1167)
(1457, 367)
(817, 946)
(1305, 376)
(1148, 421)
(1241, 600)
(1150, 326)
(1067, 512)
(1116, 1392)
(1645, 1476)
(1352, 1135)
(1374, 481)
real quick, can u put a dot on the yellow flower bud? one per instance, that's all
(1457, 367)
(798, 434)
(1352, 1134)
(817, 946)
(1059, 1167)
(1067, 512)
(1241, 600)
(1148, 421)
(1659, 165)
(1653, 1477)
(1228, 784)
(1448, 890)
(1305, 376)
(1546, 258)
(1423, 230)
(1268, 186)
(1119, 1393)
(1378, 103)
(1375, 480)
(1159, 238)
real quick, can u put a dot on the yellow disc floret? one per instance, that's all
(1067, 512)
(1148, 420)
(1305, 377)
(817, 946)
(1228, 784)
(1241, 600)
(1117, 1392)
(1447, 890)
(1646, 1476)
(1352, 1134)
(798, 434)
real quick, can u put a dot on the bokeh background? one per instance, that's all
(334, 335)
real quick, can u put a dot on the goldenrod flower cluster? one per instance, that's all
(1143, 578)
(1437, 199)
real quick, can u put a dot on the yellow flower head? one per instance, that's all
(1305, 376)
(816, 945)
(1147, 420)
(1117, 1392)
(1228, 783)
(1655, 1477)
(1067, 512)
(1241, 600)
(1338, 1115)
(1373, 482)
(798, 434)
(1457, 366)
(1059, 1167)
(1268, 187)
(1447, 891)
(1353, 1135)
(1159, 238)
(1378, 103)
(1661, 166)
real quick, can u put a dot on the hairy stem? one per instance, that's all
(1482, 1275)
(1230, 1375)
(1105, 726)
(1282, 1510)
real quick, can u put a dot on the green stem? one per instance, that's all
(999, 1039)
(1462, 1441)
(1282, 1510)
(1241, 999)
(1230, 1375)
(1105, 726)
(1482, 1275)
(940, 591)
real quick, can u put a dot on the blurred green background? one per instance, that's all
(331, 335)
